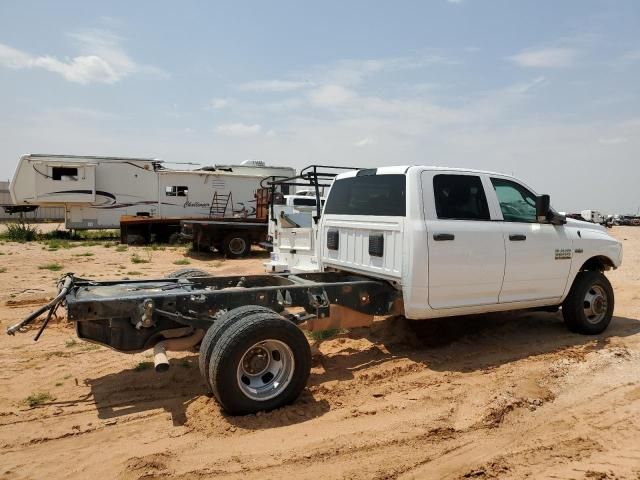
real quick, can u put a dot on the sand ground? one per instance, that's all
(496, 396)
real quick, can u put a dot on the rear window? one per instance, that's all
(304, 202)
(379, 195)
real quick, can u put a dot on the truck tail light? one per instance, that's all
(333, 240)
(376, 245)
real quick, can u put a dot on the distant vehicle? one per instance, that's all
(97, 191)
(592, 216)
(292, 233)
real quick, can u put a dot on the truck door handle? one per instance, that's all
(439, 237)
(517, 237)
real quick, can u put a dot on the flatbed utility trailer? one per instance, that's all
(253, 354)
(231, 236)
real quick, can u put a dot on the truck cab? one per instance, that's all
(458, 242)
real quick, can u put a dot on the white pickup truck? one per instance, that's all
(423, 242)
(460, 242)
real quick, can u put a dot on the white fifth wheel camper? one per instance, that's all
(97, 191)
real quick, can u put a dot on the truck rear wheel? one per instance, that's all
(589, 306)
(236, 245)
(188, 273)
(261, 362)
(216, 330)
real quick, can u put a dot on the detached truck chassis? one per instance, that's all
(253, 355)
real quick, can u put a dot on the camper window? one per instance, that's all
(64, 173)
(176, 191)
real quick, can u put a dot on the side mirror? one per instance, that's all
(543, 203)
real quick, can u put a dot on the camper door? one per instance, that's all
(72, 182)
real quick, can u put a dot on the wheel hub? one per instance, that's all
(595, 304)
(237, 245)
(265, 370)
(598, 305)
(256, 361)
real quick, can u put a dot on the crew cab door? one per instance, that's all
(538, 254)
(466, 249)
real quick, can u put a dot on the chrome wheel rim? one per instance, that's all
(237, 246)
(595, 304)
(265, 369)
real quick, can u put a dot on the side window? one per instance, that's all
(64, 173)
(460, 197)
(516, 202)
(176, 191)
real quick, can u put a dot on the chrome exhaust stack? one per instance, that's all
(160, 358)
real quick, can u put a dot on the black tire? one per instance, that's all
(236, 245)
(175, 239)
(200, 247)
(584, 312)
(188, 273)
(217, 329)
(135, 239)
(239, 339)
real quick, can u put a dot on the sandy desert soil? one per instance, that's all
(497, 396)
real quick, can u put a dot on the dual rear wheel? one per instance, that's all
(253, 359)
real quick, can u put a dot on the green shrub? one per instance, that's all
(53, 245)
(89, 243)
(325, 334)
(20, 232)
(143, 366)
(36, 399)
(54, 267)
(135, 258)
(182, 261)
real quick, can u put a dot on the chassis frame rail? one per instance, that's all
(133, 315)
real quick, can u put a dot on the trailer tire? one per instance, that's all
(188, 273)
(200, 247)
(236, 245)
(260, 363)
(175, 239)
(217, 329)
(588, 307)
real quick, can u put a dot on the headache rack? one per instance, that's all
(318, 177)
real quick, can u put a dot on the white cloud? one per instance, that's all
(220, 103)
(12, 58)
(354, 72)
(527, 86)
(331, 96)
(611, 140)
(238, 129)
(103, 60)
(273, 86)
(546, 58)
(363, 142)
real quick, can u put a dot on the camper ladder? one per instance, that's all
(219, 204)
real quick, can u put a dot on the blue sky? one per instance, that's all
(546, 90)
